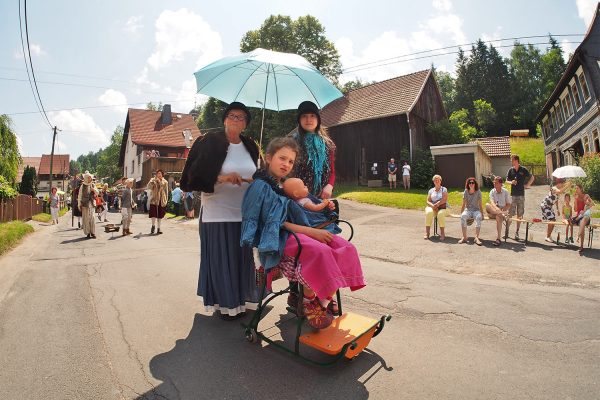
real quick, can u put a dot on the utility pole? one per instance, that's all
(52, 160)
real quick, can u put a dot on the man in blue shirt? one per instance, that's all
(392, 170)
(176, 196)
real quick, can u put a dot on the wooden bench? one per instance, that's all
(591, 228)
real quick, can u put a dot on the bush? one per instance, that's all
(6, 189)
(591, 165)
(445, 132)
(422, 169)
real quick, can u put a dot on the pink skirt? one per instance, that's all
(326, 267)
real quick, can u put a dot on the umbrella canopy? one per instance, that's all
(266, 79)
(569, 171)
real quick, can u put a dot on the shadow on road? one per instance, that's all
(215, 361)
(79, 239)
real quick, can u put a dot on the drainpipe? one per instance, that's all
(410, 146)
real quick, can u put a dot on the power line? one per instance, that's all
(27, 66)
(356, 67)
(31, 65)
(104, 106)
(434, 55)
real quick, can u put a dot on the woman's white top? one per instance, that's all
(225, 204)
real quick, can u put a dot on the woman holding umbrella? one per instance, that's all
(316, 160)
(220, 165)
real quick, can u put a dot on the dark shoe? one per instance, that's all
(93, 236)
(88, 235)
(333, 307)
(152, 230)
(99, 218)
(158, 232)
(79, 225)
(129, 232)
(227, 317)
(105, 220)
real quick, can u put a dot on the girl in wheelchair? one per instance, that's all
(326, 262)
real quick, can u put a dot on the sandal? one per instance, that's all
(317, 316)
(497, 242)
(462, 240)
(477, 241)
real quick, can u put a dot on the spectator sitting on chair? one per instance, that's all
(392, 170)
(472, 209)
(583, 213)
(498, 206)
(437, 199)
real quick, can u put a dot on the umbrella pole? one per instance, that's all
(262, 124)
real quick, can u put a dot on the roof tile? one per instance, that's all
(60, 164)
(382, 99)
(495, 146)
(145, 128)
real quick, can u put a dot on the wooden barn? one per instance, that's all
(374, 123)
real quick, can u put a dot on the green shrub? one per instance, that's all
(7, 191)
(422, 169)
(591, 165)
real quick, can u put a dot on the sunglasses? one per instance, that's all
(471, 182)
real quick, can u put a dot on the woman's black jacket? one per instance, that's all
(206, 158)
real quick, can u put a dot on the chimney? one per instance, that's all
(167, 117)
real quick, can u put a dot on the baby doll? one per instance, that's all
(295, 189)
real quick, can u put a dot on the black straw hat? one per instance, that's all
(236, 105)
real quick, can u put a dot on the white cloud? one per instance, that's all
(180, 33)
(586, 10)
(493, 38)
(81, 125)
(568, 48)
(389, 48)
(145, 81)
(35, 49)
(186, 96)
(114, 98)
(442, 5)
(133, 24)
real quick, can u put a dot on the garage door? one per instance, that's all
(455, 168)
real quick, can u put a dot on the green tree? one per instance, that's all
(74, 167)
(445, 132)
(211, 114)
(552, 67)
(447, 86)
(154, 107)
(353, 85)
(525, 67)
(304, 36)
(10, 158)
(485, 116)
(29, 181)
(462, 120)
(108, 162)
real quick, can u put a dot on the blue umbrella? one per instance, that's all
(270, 79)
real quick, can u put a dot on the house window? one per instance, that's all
(586, 144)
(576, 97)
(596, 141)
(132, 166)
(584, 87)
(553, 121)
(560, 117)
(568, 106)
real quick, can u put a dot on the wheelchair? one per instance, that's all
(347, 336)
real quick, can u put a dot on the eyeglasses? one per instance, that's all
(471, 182)
(235, 117)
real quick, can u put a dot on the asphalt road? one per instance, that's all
(118, 318)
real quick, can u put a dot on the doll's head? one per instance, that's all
(295, 189)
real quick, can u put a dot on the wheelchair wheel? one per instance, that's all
(252, 336)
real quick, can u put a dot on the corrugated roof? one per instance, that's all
(145, 128)
(495, 146)
(382, 99)
(60, 164)
(28, 161)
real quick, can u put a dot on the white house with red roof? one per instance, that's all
(155, 140)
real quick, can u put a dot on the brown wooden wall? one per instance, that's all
(369, 141)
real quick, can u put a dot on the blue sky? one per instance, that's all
(93, 60)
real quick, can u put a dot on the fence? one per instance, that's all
(21, 208)
(540, 172)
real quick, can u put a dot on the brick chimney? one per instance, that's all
(167, 117)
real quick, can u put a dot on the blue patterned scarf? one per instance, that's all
(316, 152)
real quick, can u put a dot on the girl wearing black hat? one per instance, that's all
(316, 161)
(220, 165)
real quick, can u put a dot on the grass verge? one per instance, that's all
(42, 217)
(11, 233)
(414, 199)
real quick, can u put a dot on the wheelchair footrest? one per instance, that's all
(344, 329)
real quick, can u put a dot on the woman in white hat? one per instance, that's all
(86, 200)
